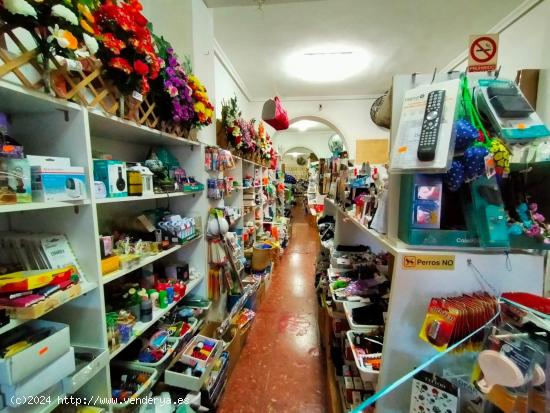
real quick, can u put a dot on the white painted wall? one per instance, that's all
(350, 116)
(524, 45)
(226, 88)
(317, 142)
(189, 27)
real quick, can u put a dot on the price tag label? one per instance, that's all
(490, 169)
(74, 65)
(137, 96)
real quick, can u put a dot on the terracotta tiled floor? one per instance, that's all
(280, 368)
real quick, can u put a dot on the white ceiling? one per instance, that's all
(403, 36)
(231, 3)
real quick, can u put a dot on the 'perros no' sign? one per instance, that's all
(428, 262)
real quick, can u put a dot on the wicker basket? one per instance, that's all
(221, 136)
(86, 87)
(140, 109)
(261, 257)
(179, 130)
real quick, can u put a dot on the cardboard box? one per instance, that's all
(186, 381)
(7, 194)
(27, 362)
(231, 341)
(19, 179)
(41, 381)
(54, 180)
(114, 175)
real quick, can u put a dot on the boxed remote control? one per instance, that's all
(425, 135)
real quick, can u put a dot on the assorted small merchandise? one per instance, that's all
(161, 173)
(367, 351)
(219, 188)
(39, 273)
(502, 368)
(156, 287)
(481, 189)
(129, 382)
(34, 358)
(136, 238)
(216, 159)
(194, 363)
(30, 178)
(358, 275)
(352, 282)
(232, 215)
(449, 320)
(225, 256)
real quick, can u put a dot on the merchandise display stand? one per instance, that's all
(412, 289)
(421, 272)
(74, 132)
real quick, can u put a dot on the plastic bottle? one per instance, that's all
(163, 299)
(170, 294)
(146, 314)
(147, 277)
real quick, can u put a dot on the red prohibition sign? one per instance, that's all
(488, 50)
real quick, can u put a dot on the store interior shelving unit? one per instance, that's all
(244, 168)
(52, 127)
(411, 290)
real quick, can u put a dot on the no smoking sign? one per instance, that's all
(483, 53)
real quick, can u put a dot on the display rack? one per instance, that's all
(52, 127)
(412, 287)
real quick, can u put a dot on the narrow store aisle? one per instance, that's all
(280, 368)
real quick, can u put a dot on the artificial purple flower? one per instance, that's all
(539, 217)
(176, 86)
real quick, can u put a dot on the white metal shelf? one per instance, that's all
(145, 198)
(145, 261)
(115, 128)
(158, 313)
(35, 206)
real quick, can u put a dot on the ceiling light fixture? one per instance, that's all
(327, 64)
(304, 125)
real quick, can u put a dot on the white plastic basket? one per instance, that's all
(173, 348)
(143, 390)
(367, 374)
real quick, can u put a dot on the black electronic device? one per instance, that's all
(508, 102)
(120, 182)
(431, 125)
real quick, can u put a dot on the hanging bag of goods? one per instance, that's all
(275, 115)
